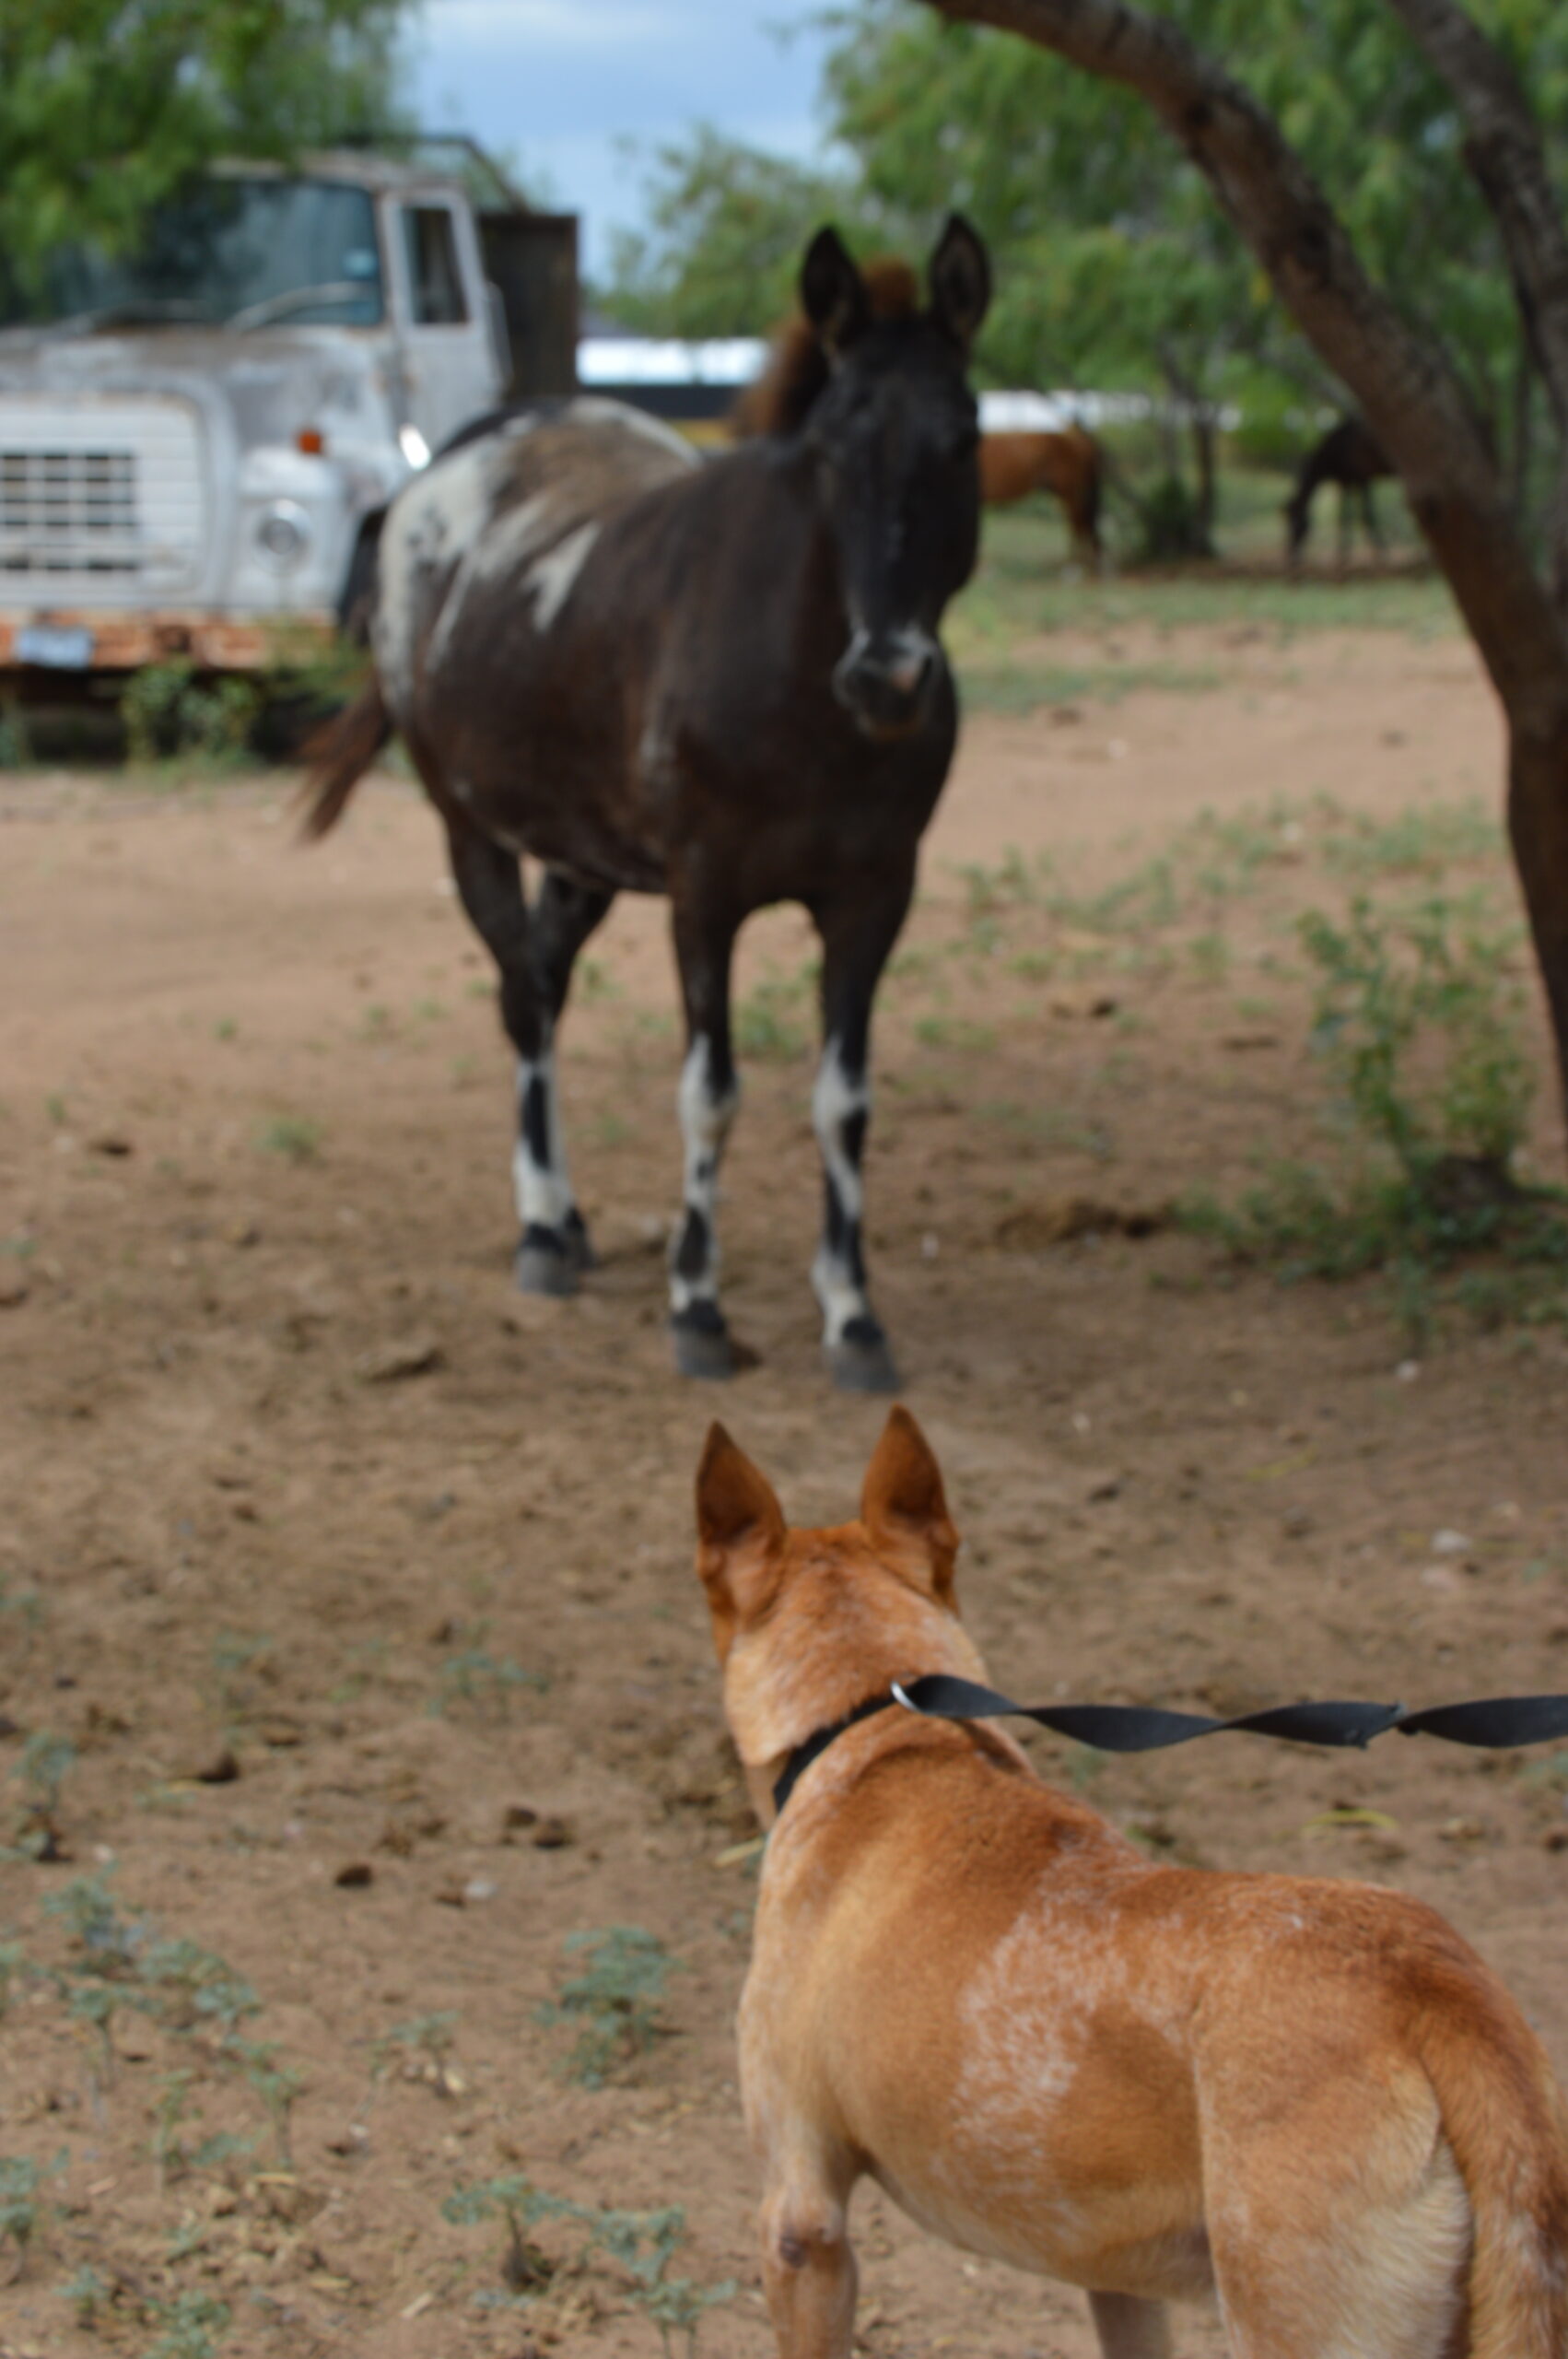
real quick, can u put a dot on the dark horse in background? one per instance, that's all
(1350, 455)
(720, 683)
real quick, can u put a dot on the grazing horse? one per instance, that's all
(1351, 455)
(1067, 465)
(721, 683)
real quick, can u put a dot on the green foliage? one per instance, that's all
(20, 2181)
(616, 1999)
(1416, 1018)
(482, 1683)
(721, 251)
(175, 709)
(1114, 265)
(192, 2325)
(424, 2042)
(105, 109)
(768, 1021)
(294, 1136)
(642, 2244)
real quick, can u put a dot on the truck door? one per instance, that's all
(451, 371)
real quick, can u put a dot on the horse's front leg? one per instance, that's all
(857, 932)
(709, 1095)
(562, 918)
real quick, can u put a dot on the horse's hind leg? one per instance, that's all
(858, 931)
(562, 918)
(490, 883)
(710, 1094)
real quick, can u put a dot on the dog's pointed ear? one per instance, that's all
(740, 1533)
(960, 277)
(833, 293)
(903, 1507)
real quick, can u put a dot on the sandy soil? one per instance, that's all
(253, 1150)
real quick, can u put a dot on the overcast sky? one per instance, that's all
(563, 83)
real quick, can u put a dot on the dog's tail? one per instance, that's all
(339, 755)
(1507, 2125)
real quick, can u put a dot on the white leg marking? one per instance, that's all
(540, 1178)
(706, 1116)
(836, 1276)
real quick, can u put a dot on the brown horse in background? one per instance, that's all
(1351, 455)
(1067, 465)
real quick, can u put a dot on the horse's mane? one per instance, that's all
(796, 368)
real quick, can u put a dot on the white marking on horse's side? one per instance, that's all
(706, 1116)
(837, 1097)
(550, 578)
(544, 1189)
(430, 527)
(598, 409)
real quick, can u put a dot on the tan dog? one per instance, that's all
(1309, 2100)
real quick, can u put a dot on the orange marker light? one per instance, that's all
(311, 440)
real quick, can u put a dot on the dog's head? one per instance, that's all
(809, 1624)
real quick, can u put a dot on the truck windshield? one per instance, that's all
(237, 252)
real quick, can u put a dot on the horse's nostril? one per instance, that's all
(909, 672)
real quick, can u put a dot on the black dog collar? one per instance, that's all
(800, 1760)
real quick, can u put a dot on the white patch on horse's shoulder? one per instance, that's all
(549, 580)
(598, 409)
(433, 520)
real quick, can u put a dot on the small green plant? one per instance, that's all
(192, 2324)
(173, 707)
(642, 2244)
(293, 1136)
(21, 2179)
(480, 1682)
(615, 1998)
(277, 2086)
(90, 2296)
(425, 2045)
(46, 1762)
(767, 1022)
(1416, 1021)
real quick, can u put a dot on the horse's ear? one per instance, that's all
(833, 293)
(903, 1507)
(960, 275)
(740, 1531)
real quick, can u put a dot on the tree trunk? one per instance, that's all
(1403, 386)
(1203, 453)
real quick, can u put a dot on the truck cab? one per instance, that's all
(198, 439)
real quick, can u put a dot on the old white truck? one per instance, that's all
(198, 440)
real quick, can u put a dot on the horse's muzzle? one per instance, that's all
(887, 682)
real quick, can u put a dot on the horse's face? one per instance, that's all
(896, 435)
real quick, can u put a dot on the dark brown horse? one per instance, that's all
(720, 683)
(1068, 465)
(1350, 455)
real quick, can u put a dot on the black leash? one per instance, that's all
(1494, 1722)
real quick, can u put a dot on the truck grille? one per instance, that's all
(97, 494)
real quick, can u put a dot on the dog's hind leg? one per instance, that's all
(1130, 2328)
(808, 2272)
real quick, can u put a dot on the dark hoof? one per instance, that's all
(580, 1245)
(545, 1263)
(702, 1345)
(861, 1361)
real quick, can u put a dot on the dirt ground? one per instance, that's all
(326, 1551)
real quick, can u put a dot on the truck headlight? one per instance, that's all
(282, 533)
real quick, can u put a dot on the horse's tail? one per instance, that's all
(339, 754)
(1507, 2127)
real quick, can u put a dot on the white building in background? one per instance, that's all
(696, 383)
